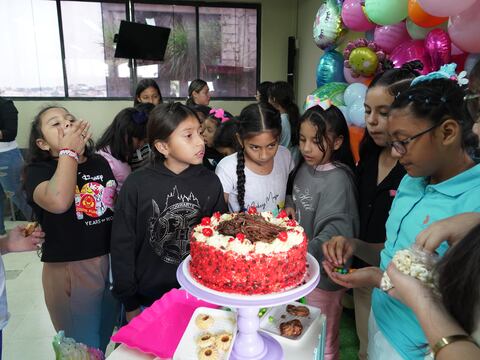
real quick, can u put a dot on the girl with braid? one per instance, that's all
(256, 175)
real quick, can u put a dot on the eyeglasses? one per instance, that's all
(401, 145)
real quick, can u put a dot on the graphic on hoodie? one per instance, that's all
(169, 229)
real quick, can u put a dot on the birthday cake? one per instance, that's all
(248, 253)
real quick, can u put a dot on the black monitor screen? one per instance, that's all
(140, 41)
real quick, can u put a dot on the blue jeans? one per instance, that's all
(11, 165)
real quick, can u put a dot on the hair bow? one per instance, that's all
(445, 72)
(139, 117)
(219, 114)
(313, 100)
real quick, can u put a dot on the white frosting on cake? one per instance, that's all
(228, 243)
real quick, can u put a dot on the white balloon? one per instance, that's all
(356, 113)
(344, 111)
(354, 92)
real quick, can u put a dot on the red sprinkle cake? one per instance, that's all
(248, 253)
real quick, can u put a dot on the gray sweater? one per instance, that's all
(325, 204)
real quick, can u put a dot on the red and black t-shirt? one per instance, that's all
(83, 231)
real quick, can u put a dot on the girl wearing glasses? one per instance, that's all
(378, 174)
(431, 134)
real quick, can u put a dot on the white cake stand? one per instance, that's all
(250, 344)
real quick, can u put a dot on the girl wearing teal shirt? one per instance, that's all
(431, 135)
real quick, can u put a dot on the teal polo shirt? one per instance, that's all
(416, 206)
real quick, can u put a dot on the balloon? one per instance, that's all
(470, 62)
(354, 92)
(438, 46)
(333, 91)
(330, 68)
(390, 36)
(363, 61)
(458, 57)
(417, 32)
(386, 12)
(354, 17)
(445, 7)
(422, 18)
(461, 29)
(328, 27)
(356, 113)
(349, 78)
(344, 111)
(409, 51)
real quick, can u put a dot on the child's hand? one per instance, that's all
(338, 250)
(76, 138)
(364, 277)
(290, 212)
(17, 242)
(407, 289)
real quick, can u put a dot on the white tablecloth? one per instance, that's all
(293, 350)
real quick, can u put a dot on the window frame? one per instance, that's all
(130, 7)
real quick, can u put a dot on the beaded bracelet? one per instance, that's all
(68, 152)
(447, 340)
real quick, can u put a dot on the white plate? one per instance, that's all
(226, 321)
(271, 320)
(313, 268)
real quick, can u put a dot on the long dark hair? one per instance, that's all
(202, 111)
(35, 154)
(129, 123)
(436, 100)
(195, 86)
(263, 89)
(282, 94)
(253, 120)
(145, 84)
(458, 280)
(163, 121)
(331, 121)
(225, 136)
(396, 80)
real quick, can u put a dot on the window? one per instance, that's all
(31, 61)
(63, 48)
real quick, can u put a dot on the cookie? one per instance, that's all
(223, 341)
(209, 353)
(302, 311)
(205, 340)
(30, 228)
(292, 328)
(204, 321)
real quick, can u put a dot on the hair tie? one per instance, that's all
(139, 117)
(443, 99)
(313, 100)
(445, 72)
(219, 114)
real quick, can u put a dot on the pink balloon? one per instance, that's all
(347, 73)
(388, 37)
(463, 28)
(353, 16)
(445, 7)
(409, 51)
(439, 48)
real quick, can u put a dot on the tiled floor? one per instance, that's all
(29, 332)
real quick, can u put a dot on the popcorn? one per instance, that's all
(412, 262)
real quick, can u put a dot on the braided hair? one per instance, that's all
(253, 120)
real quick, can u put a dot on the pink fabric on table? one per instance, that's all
(159, 328)
(330, 302)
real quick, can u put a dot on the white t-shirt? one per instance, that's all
(265, 192)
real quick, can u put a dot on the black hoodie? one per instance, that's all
(154, 214)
